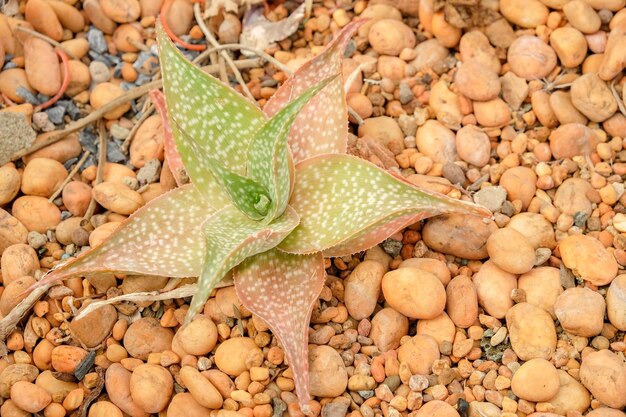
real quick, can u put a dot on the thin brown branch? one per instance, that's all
(69, 176)
(47, 39)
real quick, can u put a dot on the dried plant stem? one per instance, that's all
(47, 39)
(209, 36)
(102, 159)
(617, 98)
(70, 175)
(238, 46)
(130, 95)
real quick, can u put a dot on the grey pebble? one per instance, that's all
(96, 40)
(99, 72)
(27, 96)
(150, 172)
(335, 409)
(491, 197)
(114, 152)
(55, 114)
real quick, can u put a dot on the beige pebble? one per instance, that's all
(531, 331)
(388, 327)
(462, 301)
(460, 235)
(18, 260)
(362, 288)
(117, 197)
(80, 78)
(542, 287)
(492, 113)
(605, 412)
(580, 311)
(536, 380)
(15, 292)
(616, 302)
(414, 293)
(483, 409)
(511, 251)
(429, 54)
(97, 17)
(10, 181)
(436, 141)
(231, 355)
(493, 287)
(571, 197)
(419, 352)
(475, 46)
(13, 373)
(104, 409)
(229, 303)
(520, 184)
(327, 373)
(12, 231)
(528, 14)
(587, 258)
(592, 97)
(582, 16)
(614, 58)
(437, 408)
(446, 105)
(477, 81)
(604, 374)
(70, 17)
(391, 67)
(531, 66)
(102, 94)
(199, 337)
(564, 110)
(57, 388)
(184, 405)
(434, 266)
(445, 33)
(201, 389)
(390, 37)
(102, 232)
(441, 328)
(514, 89)
(63, 150)
(180, 17)
(11, 80)
(540, 101)
(572, 395)
(473, 145)
(41, 64)
(77, 46)
(121, 11)
(570, 46)
(126, 37)
(29, 397)
(613, 5)
(148, 142)
(386, 130)
(43, 18)
(151, 387)
(146, 336)
(66, 358)
(76, 197)
(535, 228)
(42, 177)
(117, 382)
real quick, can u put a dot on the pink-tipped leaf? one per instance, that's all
(347, 205)
(161, 238)
(322, 126)
(231, 237)
(282, 289)
(172, 156)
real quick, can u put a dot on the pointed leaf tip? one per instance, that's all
(282, 289)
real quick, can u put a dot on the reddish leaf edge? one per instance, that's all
(174, 160)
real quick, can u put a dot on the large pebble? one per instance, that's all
(419, 353)
(587, 258)
(436, 408)
(511, 251)
(460, 235)
(198, 337)
(388, 327)
(151, 387)
(434, 266)
(13, 373)
(492, 113)
(572, 395)
(11, 80)
(117, 381)
(70, 17)
(376, 12)
(542, 287)
(580, 311)
(475, 46)
(148, 142)
(327, 373)
(184, 405)
(571, 197)
(12, 231)
(386, 130)
(42, 177)
(390, 37)
(616, 302)
(537, 64)
(17, 261)
(535, 228)
(362, 287)
(180, 17)
(36, 213)
(531, 331)
(30, 397)
(201, 389)
(95, 326)
(570, 46)
(441, 328)
(143, 283)
(592, 97)
(536, 380)
(605, 412)
(117, 197)
(473, 145)
(104, 409)
(528, 14)
(447, 107)
(79, 78)
(436, 141)
(146, 336)
(10, 182)
(462, 301)
(76, 197)
(42, 65)
(232, 354)
(429, 54)
(14, 293)
(493, 287)
(63, 150)
(564, 110)
(415, 293)
(477, 81)
(582, 16)
(102, 94)
(66, 358)
(57, 388)
(121, 11)
(520, 184)
(43, 18)
(604, 374)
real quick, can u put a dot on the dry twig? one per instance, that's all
(69, 176)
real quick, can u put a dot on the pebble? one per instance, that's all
(580, 311)
(388, 328)
(604, 374)
(587, 258)
(12, 231)
(151, 387)
(535, 228)
(582, 16)
(473, 146)
(14, 292)
(232, 355)
(462, 301)
(536, 380)
(384, 129)
(570, 46)
(510, 251)
(65, 359)
(146, 336)
(105, 92)
(148, 142)
(531, 66)
(414, 293)
(13, 373)
(493, 287)
(434, 266)
(571, 197)
(390, 37)
(117, 197)
(542, 286)
(436, 141)
(42, 177)
(461, 235)
(10, 181)
(94, 327)
(616, 302)
(183, 405)
(441, 328)
(17, 261)
(477, 81)
(42, 67)
(198, 337)
(430, 54)
(572, 395)
(117, 382)
(99, 72)
(41, 15)
(362, 288)
(598, 106)
(520, 184)
(531, 331)
(76, 197)
(437, 408)
(29, 397)
(572, 139)
(104, 409)
(327, 374)
(419, 353)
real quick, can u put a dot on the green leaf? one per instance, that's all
(220, 120)
(161, 238)
(231, 237)
(282, 289)
(347, 205)
(322, 126)
(268, 154)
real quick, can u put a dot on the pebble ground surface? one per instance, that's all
(517, 105)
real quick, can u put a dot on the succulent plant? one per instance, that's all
(272, 193)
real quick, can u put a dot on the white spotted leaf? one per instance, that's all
(322, 126)
(174, 161)
(347, 205)
(268, 154)
(161, 238)
(231, 237)
(282, 289)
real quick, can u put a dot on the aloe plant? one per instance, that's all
(272, 193)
